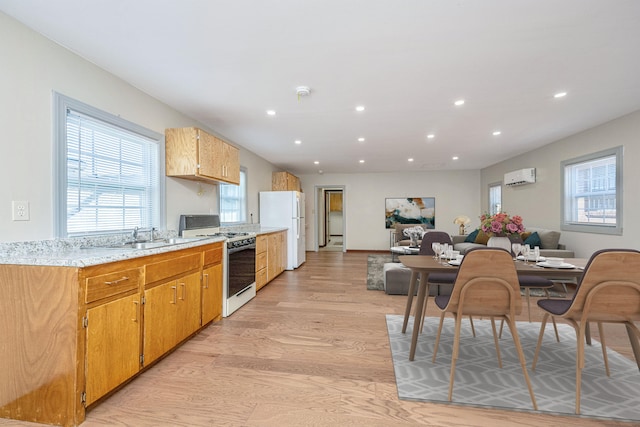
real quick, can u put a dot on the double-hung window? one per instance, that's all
(233, 200)
(592, 193)
(108, 172)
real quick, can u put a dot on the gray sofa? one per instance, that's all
(550, 243)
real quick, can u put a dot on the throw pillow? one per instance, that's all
(525, 235)
(482, 238)
(471, 238)
(533, 240)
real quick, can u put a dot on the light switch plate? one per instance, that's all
(20, 210)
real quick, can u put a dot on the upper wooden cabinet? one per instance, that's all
(192, 153)
(284, 181)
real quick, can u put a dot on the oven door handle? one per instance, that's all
(241, 248)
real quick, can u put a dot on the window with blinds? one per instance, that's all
(592, 193)
(111, 174)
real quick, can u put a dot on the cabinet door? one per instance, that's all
(231, 156)
(211, 293)
(273, 256)
(189, 305)
(209, 156)
(113, 345)
(160, 316)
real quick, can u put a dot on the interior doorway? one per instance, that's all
(330, 227)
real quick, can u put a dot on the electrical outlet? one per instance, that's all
(20, 210)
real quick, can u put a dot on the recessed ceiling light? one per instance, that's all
(361, 139)
(496, 133)
(459, 102)
(360, 108)
(410, 159)
(316, 162)
(560, 95)
(455, 157)
(361, 161)
(271, 112)
(431, 136)
(297, 141)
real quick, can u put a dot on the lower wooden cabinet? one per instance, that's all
(92, 327)
(271, 256)
(113, 345)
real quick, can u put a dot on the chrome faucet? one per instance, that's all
(134, 234)
(137, 230)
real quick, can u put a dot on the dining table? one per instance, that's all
(422, 265)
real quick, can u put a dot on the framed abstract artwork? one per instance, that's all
(410, 210)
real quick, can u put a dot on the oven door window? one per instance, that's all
(242, 268)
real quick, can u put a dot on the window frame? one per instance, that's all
(565, 209)
(60, 105)
(244, 202)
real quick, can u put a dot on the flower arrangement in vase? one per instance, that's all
(499, 227)
(415, 234)
(501, 224)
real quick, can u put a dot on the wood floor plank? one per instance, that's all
(310, 350)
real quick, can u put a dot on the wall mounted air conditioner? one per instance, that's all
(520, 177)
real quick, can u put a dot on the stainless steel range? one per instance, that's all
(239, 272)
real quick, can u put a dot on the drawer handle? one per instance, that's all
(115, 282)
(184, 291)
(206, 281)
(175, 295)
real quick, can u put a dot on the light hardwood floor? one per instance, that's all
(310, 350)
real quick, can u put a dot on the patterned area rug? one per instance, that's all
(479, 382)
(375, 263)
(375, 279)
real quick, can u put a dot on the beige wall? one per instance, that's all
(456, 193)
(32, 69)
(539, 203)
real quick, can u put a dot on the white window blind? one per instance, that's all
(112, 177)
(592, 192)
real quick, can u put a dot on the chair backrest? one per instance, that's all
(433, 236)
(609, 289)
(486, 284)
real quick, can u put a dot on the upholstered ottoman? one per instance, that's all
(397, 278)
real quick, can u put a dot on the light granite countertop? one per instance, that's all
(87, 251)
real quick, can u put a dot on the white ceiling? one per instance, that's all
(225, 63)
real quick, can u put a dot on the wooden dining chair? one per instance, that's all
(486, 285)
(608, 292)
(437, 279)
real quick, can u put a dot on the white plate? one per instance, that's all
(563, 265)
(454, 262)
(532, 258)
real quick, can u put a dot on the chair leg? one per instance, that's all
(454, 354)
(634, 334)
(407, 310)
(435, 346)
(424, 309)
(495, 341)
(553, 319)
(523, 363)
(473, 329)
(539, 344)
(580, 338)
(604, 348)
(527, 294)
(501, 326)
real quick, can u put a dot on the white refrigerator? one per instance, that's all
(286, 209)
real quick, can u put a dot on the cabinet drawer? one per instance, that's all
(261, 243)
(107, 285)
(261, 278)
(172, 267)
(261, 261)
(213, 256)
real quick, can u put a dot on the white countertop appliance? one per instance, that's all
(286, 209)
(239, 266)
